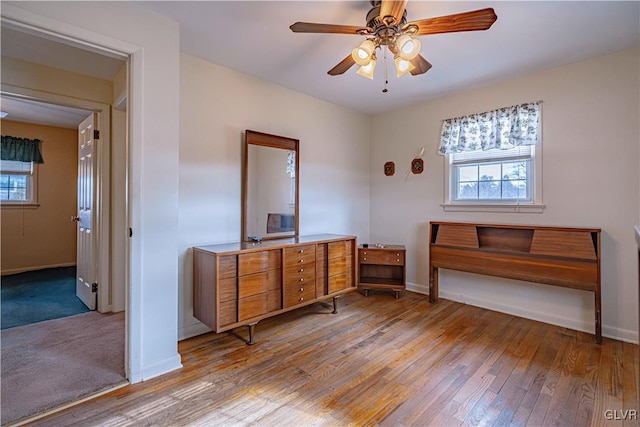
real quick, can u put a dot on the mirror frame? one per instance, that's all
(267, 140)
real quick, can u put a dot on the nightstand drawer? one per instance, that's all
(381, 256)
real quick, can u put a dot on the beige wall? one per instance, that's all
(34, 238)
(590, 151)
(216, 106)
(23, 74)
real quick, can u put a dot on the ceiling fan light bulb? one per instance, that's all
(403, 66)
(408, 48)
(367, 70)
(363, 53)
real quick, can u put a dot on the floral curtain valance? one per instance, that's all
(21, 149)
(291, 163)
(503, 128)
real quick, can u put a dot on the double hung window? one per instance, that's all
(493, 161)
(17, 182)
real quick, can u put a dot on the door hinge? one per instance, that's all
(94, 287)
(96, 134)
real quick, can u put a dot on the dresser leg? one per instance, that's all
(335, 305)
(252, 330)
(397, 294)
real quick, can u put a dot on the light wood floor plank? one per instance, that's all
(382, 362)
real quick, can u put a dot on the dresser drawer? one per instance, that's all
(255, 262)
(300, 255)
(338, 266)
(298, 294)
(299, 275)
(228, 266)
(381, 256)
(228, 312)
(340, 282)
(258, 283)
(228, 289)
(340, 249)
(257, 305)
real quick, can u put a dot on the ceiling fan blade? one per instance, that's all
(393, 8)
(468, 21)
(310, 27)
(342, 66)
(421, 65)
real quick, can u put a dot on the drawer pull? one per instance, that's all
(301, 299)
(301, 289)
(398, 260)
(364, 253)
(301, 270)
(365, 258)
(301, 260)
(301, 251)
(397, 254)
(302, 280)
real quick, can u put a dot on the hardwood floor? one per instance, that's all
(382, 361)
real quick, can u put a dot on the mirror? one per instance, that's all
(269, 186)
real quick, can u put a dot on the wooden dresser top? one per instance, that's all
(270, 244)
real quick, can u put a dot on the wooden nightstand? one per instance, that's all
(382, 268)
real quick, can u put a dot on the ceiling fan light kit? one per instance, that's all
(367, 70)
(387, 26)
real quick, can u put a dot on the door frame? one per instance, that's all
(73, 35)
(102, 176)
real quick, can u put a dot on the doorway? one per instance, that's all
(110, 179)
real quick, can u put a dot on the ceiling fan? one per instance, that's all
(387, 28)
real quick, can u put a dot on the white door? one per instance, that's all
(86, 273)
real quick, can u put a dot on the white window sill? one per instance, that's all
(482, 207)
(6, 205)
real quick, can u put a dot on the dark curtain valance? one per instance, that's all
(21, 149)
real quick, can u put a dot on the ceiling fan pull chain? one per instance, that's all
(386, 76)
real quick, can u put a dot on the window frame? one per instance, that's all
(534, 187)
(31, 186)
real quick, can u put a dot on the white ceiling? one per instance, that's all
(253, 37)
(40, 113)
(56, 54)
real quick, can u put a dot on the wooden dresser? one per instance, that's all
(239, 284)
(560, 256)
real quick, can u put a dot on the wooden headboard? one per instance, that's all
(559, 256)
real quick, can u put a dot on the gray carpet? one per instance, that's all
(51, 363)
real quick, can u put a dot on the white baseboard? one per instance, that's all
(161, 367)
(620, 334)
(191, 331)
(37, 267)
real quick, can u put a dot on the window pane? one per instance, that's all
(514, 189)
(14, 187)
(467, 190)
(468, 173)
(489, 190)
(490, 172)
(514, 170)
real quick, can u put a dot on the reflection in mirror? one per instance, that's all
(270, 187)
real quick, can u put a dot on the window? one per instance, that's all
(493, 160)
(494, 180)
(492, 175)
(17, 182)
